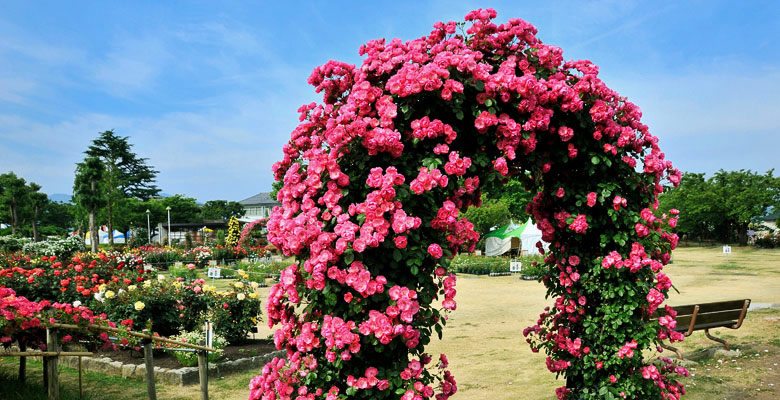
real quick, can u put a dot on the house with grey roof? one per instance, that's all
(258, 206)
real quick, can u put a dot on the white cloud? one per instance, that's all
(133, 65)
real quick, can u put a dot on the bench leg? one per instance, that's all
(719, 340)
(674, 349)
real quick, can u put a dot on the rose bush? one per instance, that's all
(124, 291)
(374, 178)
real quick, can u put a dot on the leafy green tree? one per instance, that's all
(221, 209)
(126, 176)
(516, 197)
(491, 213)
(722, 206)
(745, 196)
(89, 193)
(57, 218)
(13, 196)
(36, 200)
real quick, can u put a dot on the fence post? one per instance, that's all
(51, 363)
(149, 360)
(22, 363)
(203, 372)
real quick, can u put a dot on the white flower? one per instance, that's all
(77, 303)
(241, 296)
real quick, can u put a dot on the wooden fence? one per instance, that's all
(51, 359)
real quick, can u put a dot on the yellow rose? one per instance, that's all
(241, 296)
(102, 287)
(139, 305)
(253, 295)
(110, 294)
(147, 283)
(254, 285)
(238, 285)
(160, 277)
(131, 288)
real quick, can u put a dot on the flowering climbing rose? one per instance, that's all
(375, 180)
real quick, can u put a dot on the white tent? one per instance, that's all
(513, 236)
(529, 237)
(503, 239)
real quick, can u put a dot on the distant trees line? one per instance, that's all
(723, 206)
(112, 186)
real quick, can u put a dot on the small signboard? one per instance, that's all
(178, 264)
(212, 263)
(515, 266)
(147, 267)
(214, 272)
(726, 249)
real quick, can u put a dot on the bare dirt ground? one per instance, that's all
(491, 360)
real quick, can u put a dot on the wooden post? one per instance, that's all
(53, 373)
(80, 392)
(203, 372)
(149, 360)
(22, 363)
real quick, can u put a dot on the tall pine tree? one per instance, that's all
(126, 174)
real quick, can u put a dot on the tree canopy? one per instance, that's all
(722, 206)
(221, 209)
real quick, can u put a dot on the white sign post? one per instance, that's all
(147, 267)
(515, 267)
(209, 329)
(214, 273)
(727, 251)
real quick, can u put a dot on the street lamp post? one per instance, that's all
(169, 225)
(148, 228)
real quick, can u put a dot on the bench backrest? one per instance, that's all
(708, 314)
(711, 312)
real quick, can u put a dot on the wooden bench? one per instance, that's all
(706, 316)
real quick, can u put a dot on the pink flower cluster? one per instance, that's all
(346, 194)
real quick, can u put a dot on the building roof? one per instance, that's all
(260, 198)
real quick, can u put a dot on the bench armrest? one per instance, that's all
(741, 315)
(693, 320)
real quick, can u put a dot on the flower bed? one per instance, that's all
(126, 292)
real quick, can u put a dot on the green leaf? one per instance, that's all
(595, 160)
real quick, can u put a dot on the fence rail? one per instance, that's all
(51, 359)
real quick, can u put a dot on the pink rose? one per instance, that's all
(435, 251)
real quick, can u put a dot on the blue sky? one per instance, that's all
(208, 91)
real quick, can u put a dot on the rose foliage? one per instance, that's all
(374, 179)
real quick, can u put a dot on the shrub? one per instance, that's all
(767, 240)
(60, 248)
(11, 244)
(187, 272)
(189, 358)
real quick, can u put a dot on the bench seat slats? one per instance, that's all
(698, 327)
